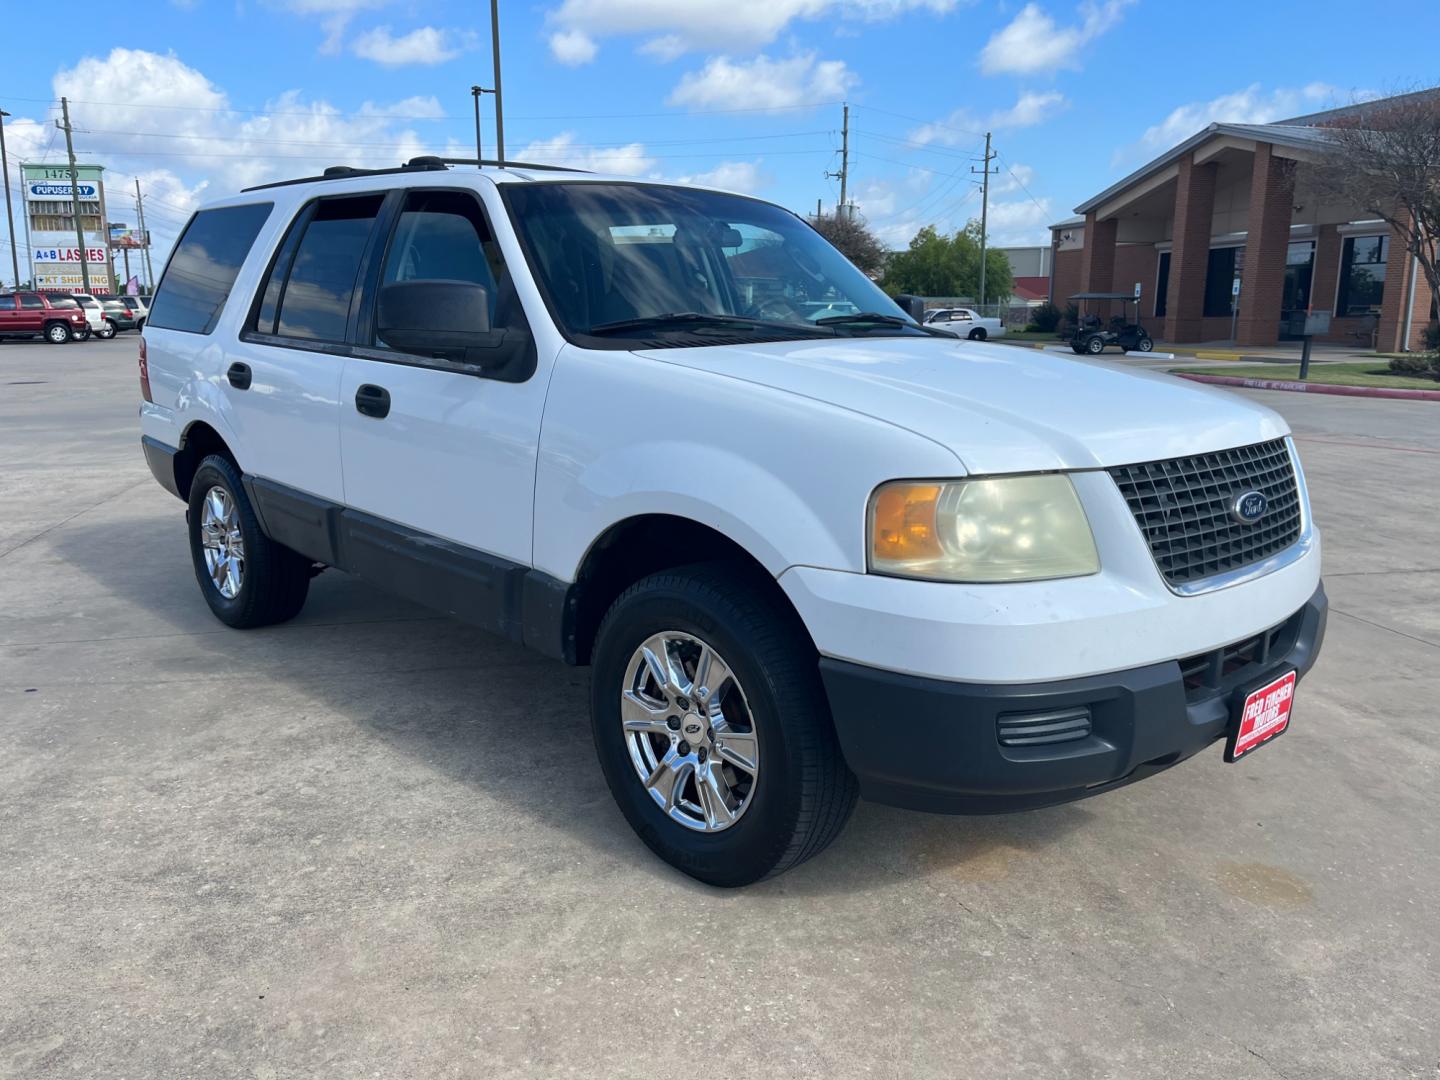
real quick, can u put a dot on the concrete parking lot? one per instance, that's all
(374, 842)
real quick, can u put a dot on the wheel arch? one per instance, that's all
(198, 442)
(644, 544)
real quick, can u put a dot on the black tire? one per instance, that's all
(83, 335)
(1095, 345)
(804, 792)
(978, 334)
(1077, 350)
(106, 332)
(275, 579)
(57, 333)
(1144, 345)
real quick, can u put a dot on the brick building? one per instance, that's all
(1235, 203)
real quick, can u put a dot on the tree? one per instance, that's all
(938, 265)
(850, 235)
(1385, 159)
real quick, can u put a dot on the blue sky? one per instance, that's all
(201, 97)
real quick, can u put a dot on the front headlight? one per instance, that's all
(1005, 528)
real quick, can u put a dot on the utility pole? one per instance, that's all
(140, 213)
(499, 97)
(9, 214)
(74, 192)
(984, 212)
(844, 174)
(476, 92)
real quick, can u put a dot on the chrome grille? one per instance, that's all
(1183, 507)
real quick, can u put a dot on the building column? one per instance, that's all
(1190, 250)
(1272, 205)
(1399, 269)
(1097, 271)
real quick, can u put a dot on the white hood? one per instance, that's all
(1001, 408)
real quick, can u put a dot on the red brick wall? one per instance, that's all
(1272, 198)
(1190, 253)
(1137, 262)
(1066, 275)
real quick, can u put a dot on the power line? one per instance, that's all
(926, 123)
(1038, 204)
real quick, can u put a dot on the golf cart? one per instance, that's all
(1092, 336)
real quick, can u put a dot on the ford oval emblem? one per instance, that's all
(1249, 507)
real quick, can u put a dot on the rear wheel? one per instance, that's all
(57, 333)
(978, 334)
(712, 727)
(247, 579)
(106, 332)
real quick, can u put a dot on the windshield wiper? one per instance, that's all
(879, 318)
(681, 319)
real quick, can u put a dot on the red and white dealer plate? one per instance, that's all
(1263, 716)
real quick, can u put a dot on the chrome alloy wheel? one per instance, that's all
(690, 732)
(223, 542)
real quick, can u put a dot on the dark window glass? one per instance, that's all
(31, 301)
(442, 235)
(316, 303)
(1162, 284)
(65, 302)
(1362, 275)
(1219, 275)
(197, 282)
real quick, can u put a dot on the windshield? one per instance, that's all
(620, 261)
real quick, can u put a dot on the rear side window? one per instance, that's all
(312, 282)
(197, 282)
(32, 302)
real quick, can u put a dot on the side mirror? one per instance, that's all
(914, 306)
(426, 317)
(451, 320)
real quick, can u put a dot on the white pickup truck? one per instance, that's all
(806, 556)
(965, 322)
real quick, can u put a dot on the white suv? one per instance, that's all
(805, 557)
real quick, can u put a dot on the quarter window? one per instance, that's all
(203, 268)
(1362, 275)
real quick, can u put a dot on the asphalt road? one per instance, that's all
(374, 842)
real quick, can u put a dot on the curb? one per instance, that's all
(1314, 388)
(1065, 349)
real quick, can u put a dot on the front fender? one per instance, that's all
(785, 476)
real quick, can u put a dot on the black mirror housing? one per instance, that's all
(451, 320)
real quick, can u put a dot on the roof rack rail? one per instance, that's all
(346, 172)
(502, 164)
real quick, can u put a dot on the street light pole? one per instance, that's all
(9, 213)
(499, 96)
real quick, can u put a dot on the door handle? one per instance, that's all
(239, 376)
(372, 401)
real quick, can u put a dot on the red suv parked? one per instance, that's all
(33, 314)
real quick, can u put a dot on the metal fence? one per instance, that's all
(1015, 316)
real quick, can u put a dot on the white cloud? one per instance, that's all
(1252, 105)
(676, 26)
(1033, 41)
(1018, 222)
(763, 83)
(573, 47)
(742, 176)
(426, 45)
(174, 128)
(963, 126)
(628, 160)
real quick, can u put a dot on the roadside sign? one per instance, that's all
(1235, 287)
(1137, 290)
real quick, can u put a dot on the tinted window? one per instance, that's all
(1220, 273)
(1362, 275)
(63, 302)
(31, 301)
(315, 303)
(197, 282)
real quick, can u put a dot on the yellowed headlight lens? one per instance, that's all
(1008, 528)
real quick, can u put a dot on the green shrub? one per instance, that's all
(1045, 317)
(1431, 337)
(1413, 364)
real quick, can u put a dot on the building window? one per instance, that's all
(1162, 284)
(1362, 275)
(1220, 272)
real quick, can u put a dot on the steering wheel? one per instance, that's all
(778, 307)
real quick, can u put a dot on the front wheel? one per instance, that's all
(1144, 345)
(247, 579)
(106, 332)
(83, 334)
(1095, 345)
(978, 334)
(713, 729)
